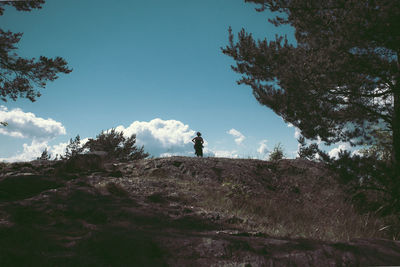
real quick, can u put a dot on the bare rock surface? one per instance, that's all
(152, 213)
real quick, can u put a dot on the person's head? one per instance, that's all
(198, 134)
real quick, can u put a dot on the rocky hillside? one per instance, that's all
(183, 211)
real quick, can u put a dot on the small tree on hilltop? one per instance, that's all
(45, 155)
(277, 153)
(117, 146)
(73, 148)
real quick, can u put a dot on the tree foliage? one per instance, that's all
(307, 151)
(73, 148)
(340, 81)
(117, 146)
(368, 176)
(382, 148)
(19, 76)
(45, 155)
(21, 5)
(277, 153)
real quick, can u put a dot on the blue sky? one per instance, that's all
(137, 61)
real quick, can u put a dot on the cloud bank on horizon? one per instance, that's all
(160, 138)
(26, 125)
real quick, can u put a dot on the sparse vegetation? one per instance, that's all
(277, 153)
(114, 144)
(283, 217)
(369, 178)
(117, 146)
(116, 190)
(45, 155)
(222, 201)
(291, 215)
(284, 208)
(73, 148)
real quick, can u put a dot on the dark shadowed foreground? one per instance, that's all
(184, 212)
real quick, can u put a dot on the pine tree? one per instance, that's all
(117, 146)
(73, 148)
(341, 80)
(277, 153)
(382, 149)
(307, 151)
(45, 155)
(19, 76)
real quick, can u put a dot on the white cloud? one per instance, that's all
(26, 125)
(297, 133)
(356, 152)
(165, 138)
(159, 137)
(226, 153)
(35, 149)
(333, 153)
(263, 148)
(22, 124)
(162, 137)
(29, 152)
(319, 140)
(239, 136)
(344, 146)
(58, 149)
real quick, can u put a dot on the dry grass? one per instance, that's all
(282, 216)
(278, 199)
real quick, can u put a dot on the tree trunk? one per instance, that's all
(396, 121)
(396, 129)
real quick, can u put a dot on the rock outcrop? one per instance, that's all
(167, 212)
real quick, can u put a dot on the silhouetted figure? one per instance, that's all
(198, 145)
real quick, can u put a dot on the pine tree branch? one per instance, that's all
(347, 93)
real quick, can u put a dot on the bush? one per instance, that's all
(371, 178)
(277, 153)
(116, 145)
(45, 155)
(74, 148)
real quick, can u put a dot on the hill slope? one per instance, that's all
(183, 211)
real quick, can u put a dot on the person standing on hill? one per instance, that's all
(198, 145)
